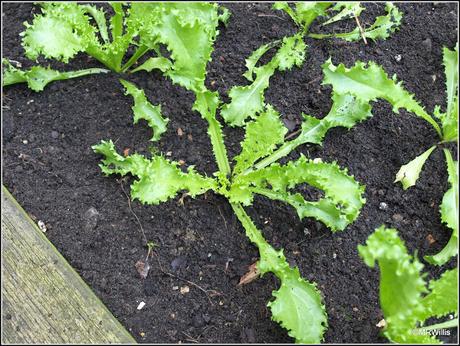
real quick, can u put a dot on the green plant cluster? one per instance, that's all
(181, 37)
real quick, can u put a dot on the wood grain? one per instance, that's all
(43, 298)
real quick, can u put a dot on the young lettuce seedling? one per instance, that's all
(64, 29)
(369, 83)
(298, 304)
(247, 101)
(405, 298)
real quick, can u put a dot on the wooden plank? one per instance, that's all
(43, 299)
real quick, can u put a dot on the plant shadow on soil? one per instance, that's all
(51, 170)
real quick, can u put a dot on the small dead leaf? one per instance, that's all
(181, 162)
(143, 268)
(430, 239)
(189, 137)
(180, 132)
(252, 274)
(381, 324)
(184, 290)
(126, 152)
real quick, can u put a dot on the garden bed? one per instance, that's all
(49, 167)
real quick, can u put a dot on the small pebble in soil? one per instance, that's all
(42, 226)
(141, 305)
(397, 217)
(427, 45)
(55, 134)
(398, 57)
(91, 218)
(383, 206)
(25, 141)
(184, 290)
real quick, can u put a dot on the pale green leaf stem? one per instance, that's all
(38, 77)
(449, 214)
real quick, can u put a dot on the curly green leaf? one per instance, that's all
(346, 111)
(247, 101)
(443, 297)
(188, 31)
(304, 13)
(262, 136)
(337, 209)
(369, 82)
(158, 179)
(401, 285)
(143, 109)
(347, 10)
(298, 305)
(449, 120)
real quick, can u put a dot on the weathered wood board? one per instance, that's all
(43, 299)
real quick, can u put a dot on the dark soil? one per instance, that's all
(50, 168)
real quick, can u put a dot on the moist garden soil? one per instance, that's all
(51, 170)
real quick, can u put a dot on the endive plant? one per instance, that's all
(248, 100)
(369, 82)
(298, 304)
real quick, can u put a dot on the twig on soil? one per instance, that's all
(191, 338)
(208, 293)
(130, 208)
(270, 15)
(295, 133)
(361, 30)
(223, 218)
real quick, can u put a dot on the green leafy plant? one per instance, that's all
(298, 304)
(448, 132)
(248, 100)
(64, 29)
(406, 299)
(369, 82)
